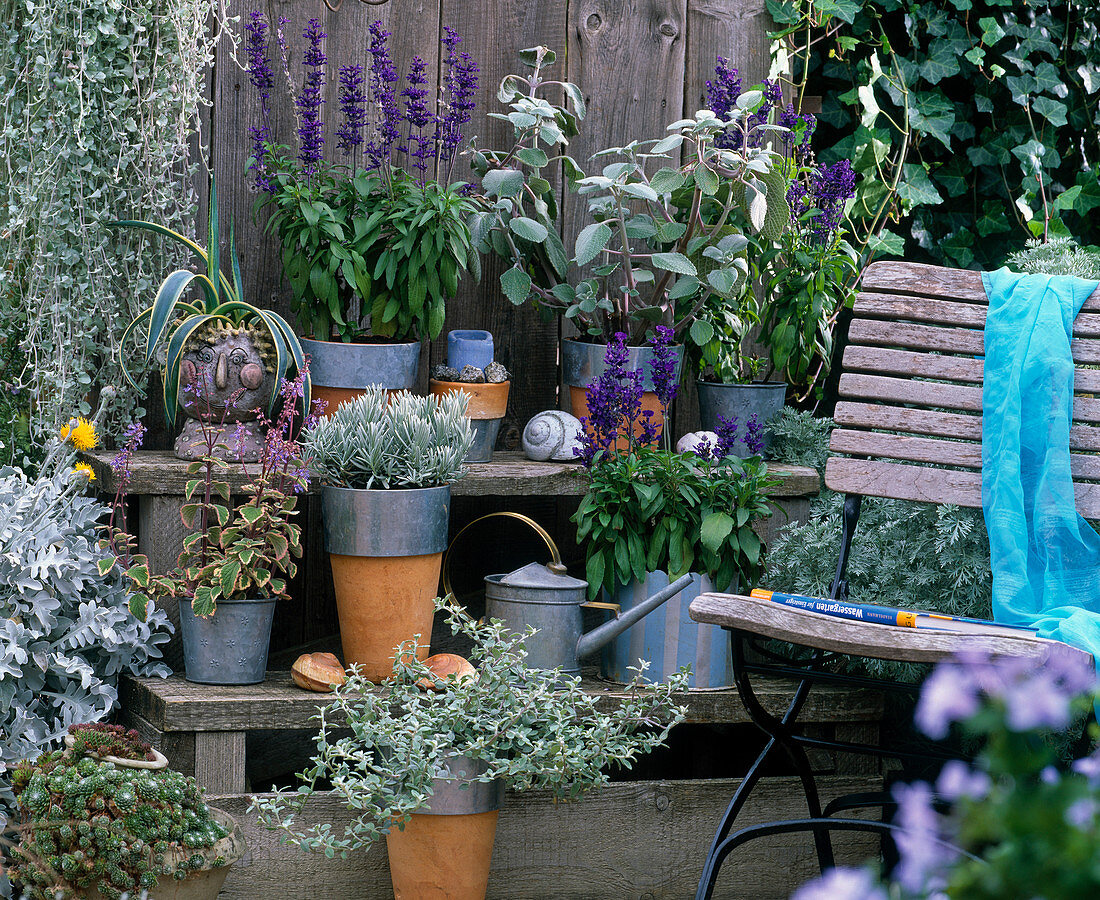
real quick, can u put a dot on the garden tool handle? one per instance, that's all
(555, 564)
(599, 604)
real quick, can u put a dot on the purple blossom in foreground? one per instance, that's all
(614, 403)
(922, 853)
(1089, 767)
(353, 103)
(460, 88)
(957, 781)
(132, 439)
(722, 94)
(754, 435)
(1082, 813)
(311, 129)
(663, 369)
(262, 78)
(796, 145)
(726, 429)
(383, 77)
(830, 188)
(841, 884)
(773, 98)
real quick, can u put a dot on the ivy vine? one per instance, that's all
(1003, 105)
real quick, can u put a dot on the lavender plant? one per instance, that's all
(1015, 823)
(375, 241)
(650, 509)
(648, 234)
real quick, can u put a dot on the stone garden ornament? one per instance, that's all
(552, 435)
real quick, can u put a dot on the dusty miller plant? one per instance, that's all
(99, 100)
(65, 631)
(1058, 256)
(533, 728)
(379, 440)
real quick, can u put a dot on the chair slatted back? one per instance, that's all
(910, 393)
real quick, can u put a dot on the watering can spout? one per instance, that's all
(597, 637)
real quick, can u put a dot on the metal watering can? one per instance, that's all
(548, 599)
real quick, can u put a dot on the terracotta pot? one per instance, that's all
(444, 853)
(342, 371)
(579, 400)
(486, 406)
(385, 548)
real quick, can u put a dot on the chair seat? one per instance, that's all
(824, 632)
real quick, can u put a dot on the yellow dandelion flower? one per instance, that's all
(85, 470)
(80, 433)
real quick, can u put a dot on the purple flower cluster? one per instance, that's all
(841, 884)
(383, 77)
(460, 88)
(723, 91)
(798, 145)
(828, 190)
(614, 403)
(311, 129)
(418, 116)
(754, 435)
(132, 438)
(773, 99)
(353, 109)
(663, 369)
(263, 79)
(1034, 695)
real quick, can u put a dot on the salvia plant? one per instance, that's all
(532, 728)
(376, 242)
(1015, 822)
(381, 440)
(229, 553)
(90, 825)
(66, 633)
(651, 509)
(648, 235)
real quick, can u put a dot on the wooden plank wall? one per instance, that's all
(640, 63)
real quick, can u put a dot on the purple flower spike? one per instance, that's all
(663, 368)
(311, 130)
(830, 189)
(614, 404)
(727, 436)
(263, 79)
(383, 77)
(723, 91)
(420, 146)
(460, 88)
(754, 436)
(353, 108)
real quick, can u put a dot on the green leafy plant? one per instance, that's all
(105, 739)
(381, 441)
(172, 319)
(532, 728)
(647, 234)
(91, 825)
(243, 553)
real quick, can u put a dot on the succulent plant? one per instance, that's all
(90, 824)
(104, 739)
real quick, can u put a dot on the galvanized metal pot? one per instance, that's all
(668, 638)
(445, 850)
(385, 548)
(583, 363)
(229, 647)
(342, 371)
(486, 406)
(740, 402)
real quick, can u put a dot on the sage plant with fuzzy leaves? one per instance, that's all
(533, 728)
(381, 440)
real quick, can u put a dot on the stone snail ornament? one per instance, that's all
(552, 435)
(690, 442)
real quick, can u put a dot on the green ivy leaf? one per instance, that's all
(916, 187)
(1052, 110)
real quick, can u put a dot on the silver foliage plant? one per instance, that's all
(379, 440)
(65, 632)
(533, 728)
(1058, 256)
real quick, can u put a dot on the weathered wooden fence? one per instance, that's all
(640, 63)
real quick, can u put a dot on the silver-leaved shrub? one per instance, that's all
(65, 632)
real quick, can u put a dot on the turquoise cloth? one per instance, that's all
(1045, 557)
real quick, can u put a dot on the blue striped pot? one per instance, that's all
(668, 638)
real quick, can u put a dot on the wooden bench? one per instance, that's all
(909, 425)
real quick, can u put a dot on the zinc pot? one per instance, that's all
(741, 402)
(340, 371)
(486, 406)
(204, 883)
(385, 547)
(444, 852)
(668, 638)
(583, 363)
(229, 647)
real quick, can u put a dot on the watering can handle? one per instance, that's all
(599, 604)
(555, 564)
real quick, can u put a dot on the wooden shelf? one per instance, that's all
(508, 474)
(176, 705)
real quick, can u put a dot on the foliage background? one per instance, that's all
(100, 102)
(1004, 101)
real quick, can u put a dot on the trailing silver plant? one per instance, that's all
(381, 441)
(1058, 256)
(66, 633)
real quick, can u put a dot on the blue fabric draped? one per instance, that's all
(1045, 557)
